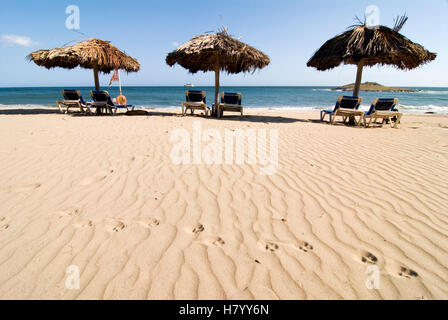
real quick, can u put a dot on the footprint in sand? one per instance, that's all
(213, 242)
(118, 226)
(97, 178)
(198, 229)
(305, 246)
(69, 212)
(270, 246)
(84, 224)
(407, 273)
(20, 188)
(219, 242)
(368, 257)
(154, 222)
(148, 223)
(2, 218)
(4, 227)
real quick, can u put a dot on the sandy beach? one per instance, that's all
(102, 194)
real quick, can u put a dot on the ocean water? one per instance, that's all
(425, 100)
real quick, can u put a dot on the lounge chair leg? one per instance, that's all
(398, 120)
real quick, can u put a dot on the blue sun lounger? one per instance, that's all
(230, 102)
(102, 101)
(72, 99)
(345, 107)
(195, 100)
(383, 109)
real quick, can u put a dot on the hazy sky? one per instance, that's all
(289, 31)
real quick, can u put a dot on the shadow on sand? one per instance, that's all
(259, 119)
(238, 118)
(28, 111)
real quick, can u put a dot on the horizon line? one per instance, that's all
(211, 86)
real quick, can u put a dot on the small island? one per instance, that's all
(373, 87)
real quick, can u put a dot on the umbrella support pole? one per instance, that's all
(215, 109)
(352, 120)
(95, 75)
(216, 105)
(358, 79)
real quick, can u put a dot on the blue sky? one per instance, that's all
(289, 31)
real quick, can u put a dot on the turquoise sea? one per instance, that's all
(426, 100)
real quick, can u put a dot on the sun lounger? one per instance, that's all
(102, 101)
(383, 109)
(345, 107)
(230, 102)
(73, 99)
(195, 100)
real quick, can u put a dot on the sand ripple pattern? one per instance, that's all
(101, 193)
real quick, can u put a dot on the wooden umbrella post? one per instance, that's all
(358, 79)
(216, 105)
(95, 75)
(356, 88)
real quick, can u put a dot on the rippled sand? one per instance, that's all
(101, 193)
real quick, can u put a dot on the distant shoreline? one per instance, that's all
(374, 87)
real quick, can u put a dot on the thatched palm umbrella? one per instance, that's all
(363, 45)
(93, 54)
(216, 52)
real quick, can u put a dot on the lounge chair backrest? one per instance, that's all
(73, 95)
(195, 96)
(101, 96)
(382, 105)
(231, 98)
(348, 102)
